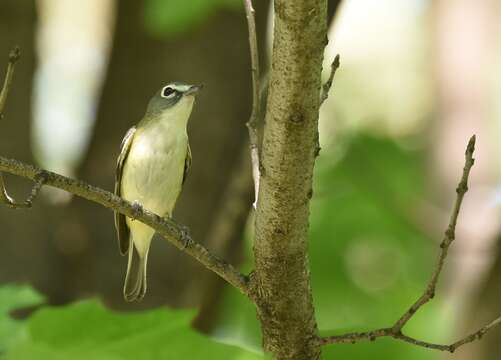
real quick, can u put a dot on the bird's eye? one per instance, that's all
(168, 92)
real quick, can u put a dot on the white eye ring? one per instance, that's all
(170, 92)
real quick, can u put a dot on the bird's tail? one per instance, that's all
(135, 286)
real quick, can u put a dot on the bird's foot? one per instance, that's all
(185, 236)
(137, 208)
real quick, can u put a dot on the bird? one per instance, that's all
(154, 160)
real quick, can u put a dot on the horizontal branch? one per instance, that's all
(396, 330)
(170, 230)
(390, 332)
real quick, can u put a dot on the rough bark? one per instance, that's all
(281, 279)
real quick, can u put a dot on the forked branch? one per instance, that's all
(396, 330)
(5, 198)
(389, 332)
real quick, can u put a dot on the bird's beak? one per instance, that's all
(193, 89)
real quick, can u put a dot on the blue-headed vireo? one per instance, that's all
(154, 160)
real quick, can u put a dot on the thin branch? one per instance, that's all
(28, 203)
(449, 236)
(396, 330)
(170, 230)
(327, 86)
(256, 99)
(390, 332)
(352, 338)
(14, 56)
(5, 198)
(476, 335)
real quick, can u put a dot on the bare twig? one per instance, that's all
(170, 230)
(256, 100)
(14, 56)
(327, 86)
(5, 198)
(390, 332)
(28, 203)
(354, 337)
(396, 330)
(449, 236)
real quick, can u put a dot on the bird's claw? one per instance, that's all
(185, 236)
(137, 208)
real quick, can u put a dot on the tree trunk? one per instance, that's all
(281, 279)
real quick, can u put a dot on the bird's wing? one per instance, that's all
(187, 163)
(120, 224)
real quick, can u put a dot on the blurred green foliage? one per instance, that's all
(171, 17)
(86, 330)
(14, 297)
(369, 261)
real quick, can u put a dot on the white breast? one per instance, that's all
(153, 171)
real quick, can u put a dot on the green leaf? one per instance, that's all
(86, 330)
(14, 297)
(171, 17)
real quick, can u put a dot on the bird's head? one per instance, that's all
(172, 96)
